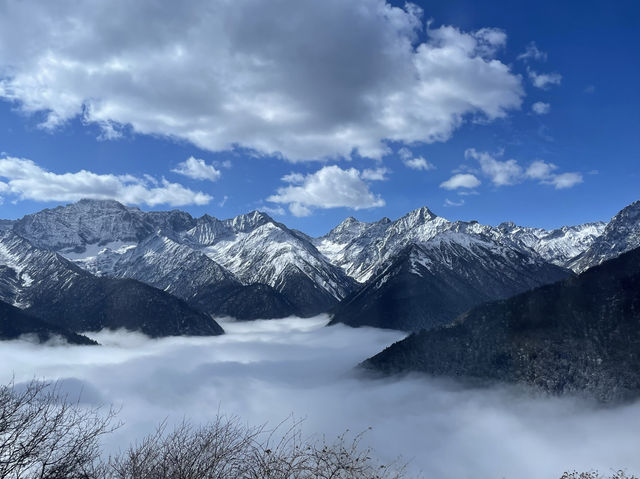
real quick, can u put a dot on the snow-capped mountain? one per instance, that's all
(257, 249)
(87, 222)
(361, 249)
(429, 284)
(159, 261)
(621, 234)
(558, 246)
(180, 254)
(56, 290)
(261, 268)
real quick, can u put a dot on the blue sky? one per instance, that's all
(314, 111)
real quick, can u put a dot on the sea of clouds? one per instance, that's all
(267, 371)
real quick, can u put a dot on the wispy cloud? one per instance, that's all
(532, 52)
(415, 162)
(510, 172)
(544, 81)
(541, 108)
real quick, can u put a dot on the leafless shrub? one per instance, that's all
(43, 435)
(225, 449)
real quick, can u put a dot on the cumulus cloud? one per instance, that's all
(301, 79)
(532, 52)
(26, 180)
(544, 81)
(415, 163)
(197, 169)
(265, 371)
(510, 172)
(540, 170)
(329, 187)
(541, 108)
(500, 172)
(461, 180)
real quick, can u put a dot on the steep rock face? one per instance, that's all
(578, 335)
(27, 271)
(15, 323)
(59, 292)
(430, 284)
(621, 234)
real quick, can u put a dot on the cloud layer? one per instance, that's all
(266, 370)
(24, 180)
(297, 78)
(329, 187)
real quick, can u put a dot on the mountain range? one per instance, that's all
(98, 263)
(580, 335)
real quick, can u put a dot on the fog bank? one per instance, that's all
(265, 371)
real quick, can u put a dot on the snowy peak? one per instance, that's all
(85, 222)
(419, 216)
(558, 246)
(621, 234)
(248, 222)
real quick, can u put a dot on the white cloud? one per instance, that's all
(544, 80)
(374, 174)
(545, 173)
(28, 181)
(540, 170)
(419, 163)
(300, 79)
(510, 172)
(223, 201)
(533, 53)
(501, 172)
(415, 163)
(197, 169)
(450, 203)
(329, 187)
(461, 180)
(565, 180)
(293, 178)
(541, 108)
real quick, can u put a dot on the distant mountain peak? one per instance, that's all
(423, 213)
(249, 221)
